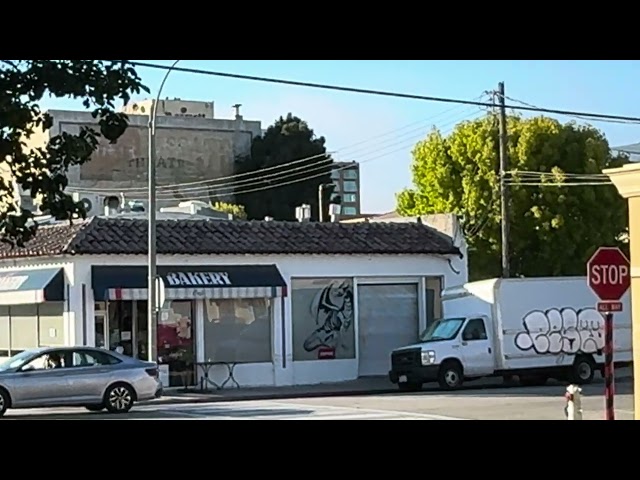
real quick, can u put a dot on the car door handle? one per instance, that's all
(489, 349)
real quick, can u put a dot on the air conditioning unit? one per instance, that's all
(93, 204)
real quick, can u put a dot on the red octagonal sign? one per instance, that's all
(609, 273)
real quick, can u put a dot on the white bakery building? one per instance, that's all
(275, 303)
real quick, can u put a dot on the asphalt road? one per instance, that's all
(514, 403)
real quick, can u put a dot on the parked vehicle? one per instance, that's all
(535, 328)
(88, 377)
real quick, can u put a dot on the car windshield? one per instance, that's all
(15, 361)
(442, 329)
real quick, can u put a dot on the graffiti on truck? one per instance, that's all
(562, 331)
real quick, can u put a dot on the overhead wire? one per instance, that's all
(385, 93)
(212, 196)
(573, 114)
(284, 169)
(327, 168)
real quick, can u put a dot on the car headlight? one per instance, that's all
(428, 357)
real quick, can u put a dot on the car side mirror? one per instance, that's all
(27, 368)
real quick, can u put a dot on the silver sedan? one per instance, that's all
(88, 377)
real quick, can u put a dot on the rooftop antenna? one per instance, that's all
(237, 109)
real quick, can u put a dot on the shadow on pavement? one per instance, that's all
(145, 413)
(551, 389)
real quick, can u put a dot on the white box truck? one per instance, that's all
(532, 328)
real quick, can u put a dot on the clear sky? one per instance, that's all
(380, 132)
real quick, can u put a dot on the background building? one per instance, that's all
(191, 146)
(346, 178)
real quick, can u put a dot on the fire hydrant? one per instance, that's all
(573, 409)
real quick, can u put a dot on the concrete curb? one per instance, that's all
(213, 398)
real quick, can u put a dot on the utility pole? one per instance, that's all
(152, 306)
(504, 192)
(320, 203)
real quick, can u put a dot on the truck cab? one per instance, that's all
(444, 347)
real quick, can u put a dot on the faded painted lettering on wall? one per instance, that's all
(562, 331)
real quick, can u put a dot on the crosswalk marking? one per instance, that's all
(244, 410)
(260, 410)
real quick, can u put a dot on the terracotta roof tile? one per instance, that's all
(116, 235)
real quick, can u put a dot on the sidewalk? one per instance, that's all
(361, 386)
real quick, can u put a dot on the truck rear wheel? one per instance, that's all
(450, 376)
(583, 371)
(410, 387)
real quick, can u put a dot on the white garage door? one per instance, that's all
(387, 319)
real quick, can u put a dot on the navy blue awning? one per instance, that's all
(22, 287)
(184, 283)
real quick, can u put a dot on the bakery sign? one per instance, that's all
(197, 279)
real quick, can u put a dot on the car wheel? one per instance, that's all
(450, 376)
(4, 402)
(119, 398)
(94, 408)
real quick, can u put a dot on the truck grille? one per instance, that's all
(405, 358)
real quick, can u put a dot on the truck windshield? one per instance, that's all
(442, 329)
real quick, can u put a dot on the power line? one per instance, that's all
(258, 175)
(385, 93)
(557, 184)
(212, 195)
(579, 117)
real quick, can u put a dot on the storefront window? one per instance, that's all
(238, 330)
(323, 317)
(29, 326)
(24, 327)
(175, 342)
(51, 324)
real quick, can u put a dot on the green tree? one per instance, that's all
(43, 171)
(554, 229)
(236, 210)
(286, 141)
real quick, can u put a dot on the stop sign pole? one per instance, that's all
(609, 276)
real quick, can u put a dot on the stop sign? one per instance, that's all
(608, 273)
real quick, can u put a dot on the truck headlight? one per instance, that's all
(428, 357)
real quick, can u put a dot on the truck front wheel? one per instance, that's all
(450, 376)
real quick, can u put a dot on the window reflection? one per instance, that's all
(238, 330)
(175, 343)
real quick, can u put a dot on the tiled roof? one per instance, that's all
(50, 240)
(101, 235)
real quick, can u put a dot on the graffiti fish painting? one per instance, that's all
(332, 309)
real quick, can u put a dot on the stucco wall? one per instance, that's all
(283, 371)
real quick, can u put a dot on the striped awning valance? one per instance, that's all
(185, 283)
(194, 293)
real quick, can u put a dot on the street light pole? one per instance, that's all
(152, 311)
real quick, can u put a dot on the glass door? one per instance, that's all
(141, 330)
(176, 343)
(121, 326)
(100, 325)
